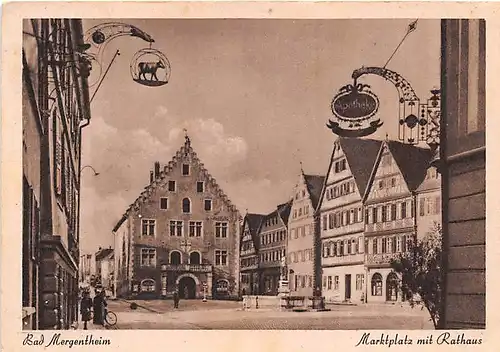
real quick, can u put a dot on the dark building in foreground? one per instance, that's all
(55, 108)
(182, 232)
(463, 161)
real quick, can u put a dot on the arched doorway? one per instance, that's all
(187, 288)
(392, 287)
(376, 284)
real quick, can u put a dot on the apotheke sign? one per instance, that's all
(354, 107)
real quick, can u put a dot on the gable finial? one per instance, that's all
(186, 137)
(387, 136)
(301, 167)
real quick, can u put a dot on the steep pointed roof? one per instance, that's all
(254, 223)
(314, 185)
(284, 211)
(412, 161)
(162, 180)
(361, 155)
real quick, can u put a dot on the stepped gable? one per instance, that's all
(314, 187)
(412, 161)
(186, 151)
(254, 224)
(361, 156)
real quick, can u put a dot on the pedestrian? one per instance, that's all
(176, 299)
(98, 317)
(104, 304)
(85, 308)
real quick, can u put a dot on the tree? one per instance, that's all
(420, 270)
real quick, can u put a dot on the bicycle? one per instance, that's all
(110, 318)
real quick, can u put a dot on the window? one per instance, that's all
(220, 257)
(422, 206)
(330, 282)
(171, 186)
(377, 284)
(148, 285)
(330, 221)
(375, 246)
(186, 205)
(360, 280)
(208, 205)
(176, 228)
(384, 213)
(175, 257)
(374, 214)
(148, 227)
(185, 169)
(222, 287)
(163, 203)
(221, 229)
(381, 184)
(393, 245)
(336, 283)
(195, 228)
(194, 258)
(148, 257)
(200, 186)
(403, 210)
(393, 211)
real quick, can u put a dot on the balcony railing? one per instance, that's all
(376, 259)
(200, 268)
(390, 225)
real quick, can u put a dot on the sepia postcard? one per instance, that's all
(293, 175)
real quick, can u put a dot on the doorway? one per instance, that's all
(348, 287)
(392, 287)
(187, 288)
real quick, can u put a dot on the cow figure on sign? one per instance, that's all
(151, 68)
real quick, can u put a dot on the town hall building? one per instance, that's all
(181, 233)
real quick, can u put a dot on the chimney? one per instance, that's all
(151, 177)
(100, 248)
(157, 169)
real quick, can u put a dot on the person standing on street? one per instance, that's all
(104, 304)
(98, 318)
(85, 308)
(176, 299)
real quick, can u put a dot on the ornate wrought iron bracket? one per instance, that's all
(418, 121)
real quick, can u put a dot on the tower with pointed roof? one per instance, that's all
(302, 234)
(181, 233)
(341, 219)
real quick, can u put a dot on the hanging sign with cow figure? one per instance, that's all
(150, 67)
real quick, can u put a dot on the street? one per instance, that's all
(213, 315)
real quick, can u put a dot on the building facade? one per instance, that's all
(301, 235)
(463, 163)
(104, 264)
(181, 233)
(342, 219)
(391, 214)
(272, 249)
(55, 109)
(249, 254)
(86, 269)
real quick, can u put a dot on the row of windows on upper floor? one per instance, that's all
(376, 245)
(149, 257)
(271, 221)
(186, 205)
(246, 262)
(302, 256)
(340, 190)
(176, 228)
(302, 281)
(247, 245)
(298, 212)
(300, 231)
(269, 238)
(272, 256)
(333, 283)
(337, 219)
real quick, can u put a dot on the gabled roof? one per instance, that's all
(160, 181)
(103, 253)
(361, 155)
(254, 223)
(284, 211)
(314, 185)
(412, 161)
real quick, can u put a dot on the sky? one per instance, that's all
(254, 96)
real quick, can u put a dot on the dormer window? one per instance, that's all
(185, 169)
